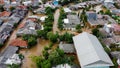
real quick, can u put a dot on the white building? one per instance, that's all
(90, 52)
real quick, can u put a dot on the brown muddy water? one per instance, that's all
(34, 51)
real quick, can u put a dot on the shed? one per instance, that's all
(67, 48)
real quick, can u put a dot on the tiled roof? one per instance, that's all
(32, 19)
(116, 27)
(22, 7)
(18, 42)
(5, 13)
(21, 25)
(1, 1)
(13, 0)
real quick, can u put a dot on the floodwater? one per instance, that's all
(35, 51)
(55, 25)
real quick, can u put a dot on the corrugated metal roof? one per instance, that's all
(90, 52)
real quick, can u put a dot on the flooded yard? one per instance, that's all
(55, 24)
(33, 51)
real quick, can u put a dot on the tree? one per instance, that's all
(32, 41)
(61, 17)
(95, 32)
(1, 8)
(21, 56)
(78, 28)
(55, 57)
(46, 64)
(49, 10)
(68, 37)
(1, 45)
(108, 12)
(38, 60)
(52, 37)
(83, 18)
(47, 28)
(13, 66)
(45, 54)
(12, 8)
(44, 1)
(26, 37)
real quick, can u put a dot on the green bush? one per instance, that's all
(1, 45)
(21, 56)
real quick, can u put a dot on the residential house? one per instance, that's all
(33, 18)
(78, 6)
(27, 3)
(108, 28)
(40, 11)
(6, 54)
(67, 10)
(13, 3)
(66, 66)
(19, 43)
(83, 4)
(5, 31)
(94, 19)
(29, 27)
(14, 20)
(35, 3)
(71, 21)
(90, 52)
(112, 28)
(20, 11)
(109, 5)
(1, 2)
(13, 60)
(4, 15)
(115, 11)
(108, 1)
(67, 48)
(116, 28)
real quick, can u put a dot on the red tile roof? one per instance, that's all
(13, 0)
(119, 66)
(1, 1)
(116, 27)
(18, 42)
(5, 13)
(32, 19)
(22, 7)
(21, 25)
